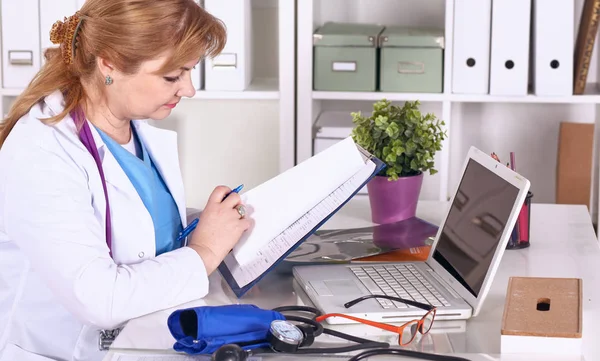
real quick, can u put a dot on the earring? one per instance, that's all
(108, 80)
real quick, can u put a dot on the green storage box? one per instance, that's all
(412, 60)
(345, 57)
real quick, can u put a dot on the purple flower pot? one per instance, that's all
(393, 201)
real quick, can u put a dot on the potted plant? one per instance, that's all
(406, 140)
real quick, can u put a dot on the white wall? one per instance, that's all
(231, 142)
(225, 142)
(531, 131)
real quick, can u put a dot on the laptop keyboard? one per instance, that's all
(404, 281)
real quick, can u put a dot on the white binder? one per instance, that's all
(232, 69)
(20, 42)
(509, 65)
(471, 54)
(553, 46)
(196, 74)
(50, 12)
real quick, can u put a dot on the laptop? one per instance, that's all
(459, 270)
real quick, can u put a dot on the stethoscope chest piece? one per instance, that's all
(284, 336)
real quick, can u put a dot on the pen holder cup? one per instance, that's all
(520, 234)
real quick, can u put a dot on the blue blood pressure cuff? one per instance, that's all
(202, 330)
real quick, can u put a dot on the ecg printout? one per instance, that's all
(277, 203)
(272, 251)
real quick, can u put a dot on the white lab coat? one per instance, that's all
(58, 284)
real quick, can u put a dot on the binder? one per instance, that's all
(584, 46)
(553, 46)
(292, 217)
(197, 75)
(509, 65)
(20, 48)
(232, 69)
(198, 72)
(471, 54)
(52, 11)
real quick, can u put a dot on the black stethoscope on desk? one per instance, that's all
(295, 334)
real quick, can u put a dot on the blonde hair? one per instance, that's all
(126, 33)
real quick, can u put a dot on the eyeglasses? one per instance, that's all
(422, 325)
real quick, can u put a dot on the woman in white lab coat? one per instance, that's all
(72, 265)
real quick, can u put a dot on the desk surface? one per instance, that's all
(563, 244)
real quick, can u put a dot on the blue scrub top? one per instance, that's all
(152, 190)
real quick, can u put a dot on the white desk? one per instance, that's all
(563, 244)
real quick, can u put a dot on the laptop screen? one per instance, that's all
(475, 223)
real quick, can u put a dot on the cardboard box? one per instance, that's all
(574, 163)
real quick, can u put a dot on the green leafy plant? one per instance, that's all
(401, 136)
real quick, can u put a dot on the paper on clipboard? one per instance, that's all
(282, 243)
(282, 200)
(332, 178)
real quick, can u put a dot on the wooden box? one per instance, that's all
(542, 316)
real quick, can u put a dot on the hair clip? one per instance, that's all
(74, 41)
(65, 33)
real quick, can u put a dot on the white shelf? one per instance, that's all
(588, 98)
(374, 96)
(267, 89)
(533, 99)
(11, 92)
(259, 89)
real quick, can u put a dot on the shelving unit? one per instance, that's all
(284, 75)
(470, 119)
(274, 81)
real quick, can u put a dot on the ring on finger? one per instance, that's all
(241, 210)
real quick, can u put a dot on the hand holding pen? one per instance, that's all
(187, 230)
(220, 227)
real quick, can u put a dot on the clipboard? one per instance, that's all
(225, 269)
